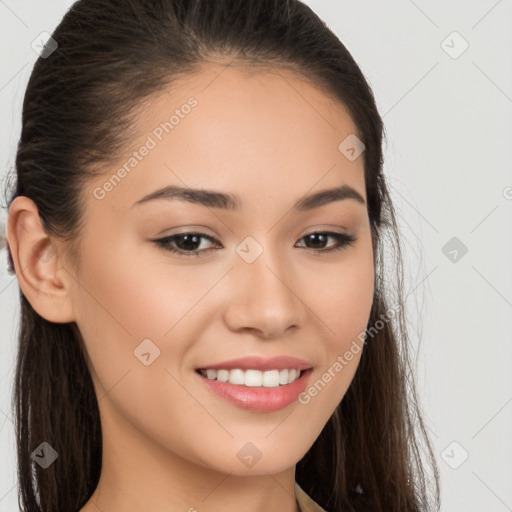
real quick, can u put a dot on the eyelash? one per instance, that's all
(342, 239)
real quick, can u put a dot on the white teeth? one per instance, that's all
(253, 378)
(236, 377)
(270, 379)
(222, 375)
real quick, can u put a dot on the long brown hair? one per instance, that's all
(78, 110)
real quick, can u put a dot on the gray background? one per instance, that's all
(448, 159)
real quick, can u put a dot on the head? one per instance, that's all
(260, 102)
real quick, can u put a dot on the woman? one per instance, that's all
(197, 231)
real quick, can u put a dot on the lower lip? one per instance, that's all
(260, 399)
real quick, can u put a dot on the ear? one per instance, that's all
(37, 263)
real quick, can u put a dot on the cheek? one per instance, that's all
(344, 308)
(345, 300)
(120, 303)
(124, 311)
(133, 299)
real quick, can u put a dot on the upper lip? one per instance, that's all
(260, 363)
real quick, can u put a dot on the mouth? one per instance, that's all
(252, 377)
(255, 395)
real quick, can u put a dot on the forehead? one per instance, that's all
(238, 127)
(241, 97)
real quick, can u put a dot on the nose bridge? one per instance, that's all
(264, 298)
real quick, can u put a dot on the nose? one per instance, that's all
(263, 298)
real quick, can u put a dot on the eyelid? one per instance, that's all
(197, 229)
(186, 230)
(324, 228)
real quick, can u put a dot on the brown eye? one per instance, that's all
(318, 239)
(187, 243)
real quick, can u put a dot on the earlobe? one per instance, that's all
(37, 263)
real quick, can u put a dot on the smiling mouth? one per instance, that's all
(252, 377)
(256, 395)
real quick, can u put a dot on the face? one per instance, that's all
(260, 277)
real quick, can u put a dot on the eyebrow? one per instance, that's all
(214, 199)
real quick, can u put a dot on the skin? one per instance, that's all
(169, 443)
